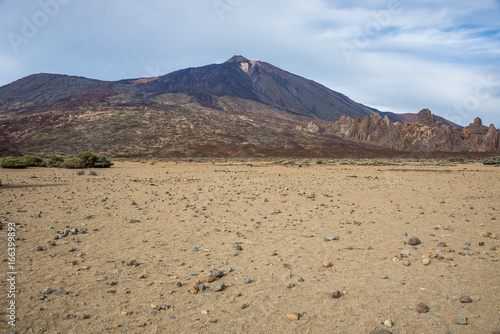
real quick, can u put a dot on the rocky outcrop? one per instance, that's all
(426, 134)
(311, 127)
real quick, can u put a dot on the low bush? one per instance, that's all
(55, 161)
(101, 161)
(34, 161)
(10, 162)
(492, 161)
(73, 163)
(87, 160)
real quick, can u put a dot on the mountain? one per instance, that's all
(238, 108)
(208, 86)
(260, 82)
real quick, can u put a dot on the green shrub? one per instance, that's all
(13, 163)
(34, 161)
(101, 161)
(492, 161)
(55, 161)
(73, 163)
(319, 162)
(87, 160)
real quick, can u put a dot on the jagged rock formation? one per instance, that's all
(427, 133)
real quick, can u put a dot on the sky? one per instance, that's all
(393, 55)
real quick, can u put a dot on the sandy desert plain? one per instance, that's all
(253, 247)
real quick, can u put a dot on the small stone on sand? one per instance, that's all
(388, 323)
(465, 299)
(209, 278)
(194, 289)
(414, 241)
(422, 308)
(462, 320)
(337, 294)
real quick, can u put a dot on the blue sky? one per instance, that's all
(395, 55)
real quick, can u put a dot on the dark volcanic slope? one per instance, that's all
(212, 80)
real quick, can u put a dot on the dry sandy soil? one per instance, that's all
(154, 231)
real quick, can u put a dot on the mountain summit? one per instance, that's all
(237, 59)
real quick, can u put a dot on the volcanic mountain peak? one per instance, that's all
(237, 59)
(245, 64)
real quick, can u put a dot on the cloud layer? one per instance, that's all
(400, 56)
